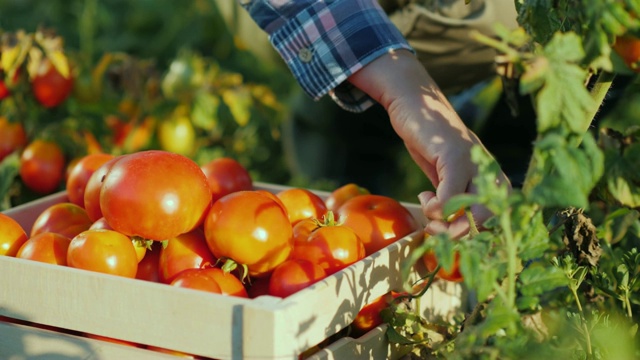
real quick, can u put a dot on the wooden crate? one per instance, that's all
(197, 322)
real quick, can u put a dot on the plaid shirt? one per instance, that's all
(324, 42)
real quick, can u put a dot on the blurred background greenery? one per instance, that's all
(141, 64)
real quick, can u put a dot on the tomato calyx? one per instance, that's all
(144, 243)
(329, 219)
(230, 265)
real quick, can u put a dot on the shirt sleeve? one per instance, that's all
(325, 42)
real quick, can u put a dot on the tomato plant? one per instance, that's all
(147, 188)
(331, 245)
(80, 173)
(104, 251)
(185, 251)
(226, 175)
(12, 236)
(63, 218)
(294, 275)
(343, 193)
(302, 204)
(377, 219)
(12, 137)
(49, 86)
(251, 230)
(46, 247)
(42, 166)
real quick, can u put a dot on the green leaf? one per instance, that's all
(239, 102)
(563, 99)
(569, 173)
(623, 177)
(205, 111)
(9, 168)
(537, 279)
(534, 240)
(617, 223)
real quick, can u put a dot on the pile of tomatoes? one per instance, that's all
(159, 216)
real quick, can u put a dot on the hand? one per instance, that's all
(435, 136)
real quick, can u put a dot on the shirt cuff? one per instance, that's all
(329, 41)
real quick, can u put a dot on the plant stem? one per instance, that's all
(512, 257)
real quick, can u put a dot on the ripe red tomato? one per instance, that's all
(628, 47)
(431, 263)
(49, 87)
(226, 175)
(340, 195)
(12, 236)
(251, 229)
(378, 220)
(331, 246)
(228, 282)
(185, 251)
(294, 275)
(104, 251)
(80, 173)
(155, 195)
(369, 316)
(46, 247)
(12, 137)
(42, 166)
(4, 91)
(197, 279)
(148, 267)
(63, 218)
(302, 204)
(93, 187)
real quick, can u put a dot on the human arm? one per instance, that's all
(433, 133)
(358, 57)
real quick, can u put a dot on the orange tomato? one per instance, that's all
(46, 247)
(12, 137)
(196, 279)
(226, 175)
(340, 195)
(294, 275)
(378, 220)
(628, 47)
(185, 251)
(104, 251)
(369, 316)
(42, 166)
(251, 229)
(228, 282)
(12, 236)
(302, 204)
(63, 218)
(332, 246)
(80, 173)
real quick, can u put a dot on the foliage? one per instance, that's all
(177, 79)
(555, 270)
